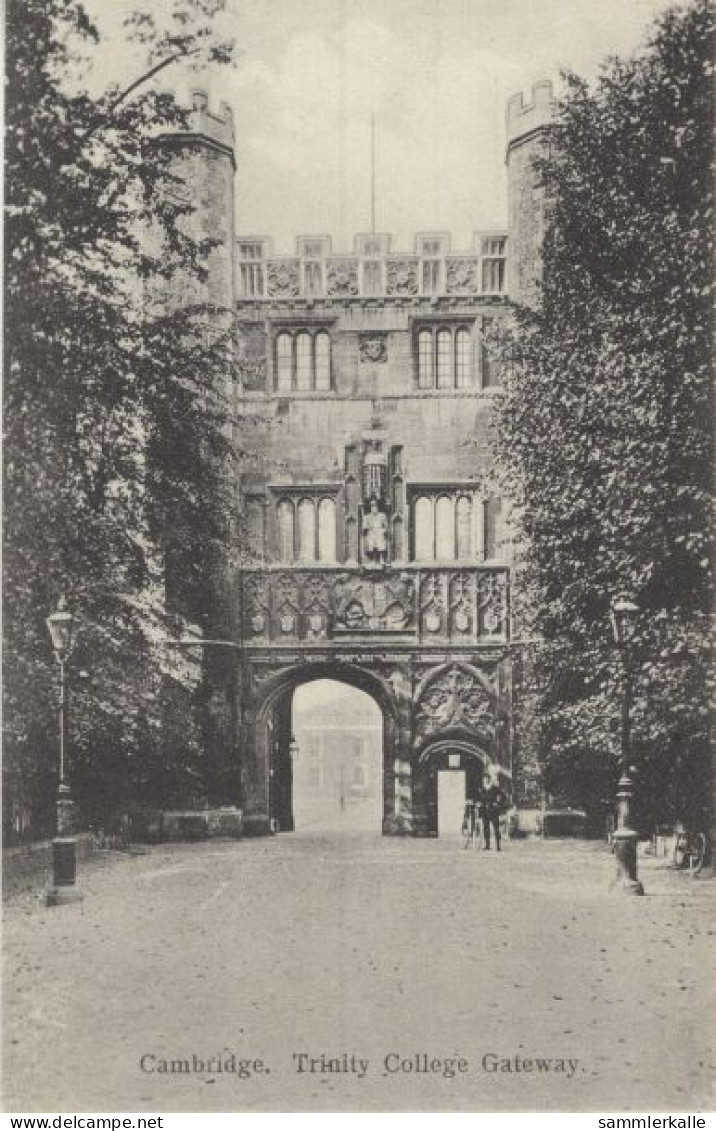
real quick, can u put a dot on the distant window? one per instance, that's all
(303, 361)
(424, 530)
(463, 359)
(327, 530)
(451, 525)
(284, 362)
(431, 273)
(445, 529)
(306, 530)
(312, 249)
(425, 359)
(306, 526)
(463, 525)
(285, 530)
(487, 371)
(251, 250)
(494, 533)
(444, 357)
(251, 269)
(493, 264)
(322, 368)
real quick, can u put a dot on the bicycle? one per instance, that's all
(692, 849)
(470, 829)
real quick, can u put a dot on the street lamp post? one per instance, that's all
(64, 846)
(622, 615)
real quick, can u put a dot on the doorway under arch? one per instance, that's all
(336, 758)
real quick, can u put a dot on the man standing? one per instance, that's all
(492, 805)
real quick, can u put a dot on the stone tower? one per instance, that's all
(527, 129)
(206, 163)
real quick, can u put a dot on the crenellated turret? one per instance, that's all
(215, 129)
(527, 129)
(207, 163)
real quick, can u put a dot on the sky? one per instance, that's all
(436, 74)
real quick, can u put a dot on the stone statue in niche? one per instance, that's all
(375, 534)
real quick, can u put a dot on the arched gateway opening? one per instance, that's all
(277, 775)
(336, 759)
(436, 723)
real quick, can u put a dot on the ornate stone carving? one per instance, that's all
(455, 699)
(461, 276)
(343, 278)
(492, 604)
(363, 604)
(256, 605)
(282, 278)
(286, 603)
(316, 600)
(373, 349)
(402, 276)
(462, 602)
(432, 602)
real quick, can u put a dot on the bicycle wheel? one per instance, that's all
(699, 852)
(680, 854)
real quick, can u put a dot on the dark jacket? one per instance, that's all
(493, 803)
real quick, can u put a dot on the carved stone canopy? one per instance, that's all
(455, 699)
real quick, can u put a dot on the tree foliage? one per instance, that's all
(604, 423)
(115, 422)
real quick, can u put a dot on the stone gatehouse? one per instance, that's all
(373, 549)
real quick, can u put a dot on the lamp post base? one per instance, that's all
(64, 872)
(626, 880)
(55, 897)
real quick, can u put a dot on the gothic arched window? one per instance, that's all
(424, 532)
(493, 528)
(284, 362)
(425, 359)
(323, 361)
(445, 529)
(451, 524)
(444, 359)
(326, 530)
(463, 527)
(303, 360)
(306, 530)
(463, 359)
(285, 530)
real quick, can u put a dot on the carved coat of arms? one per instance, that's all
(364, 603)
(374, 349)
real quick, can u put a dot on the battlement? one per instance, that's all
(523, 119)
(373, 268)
(217, 126)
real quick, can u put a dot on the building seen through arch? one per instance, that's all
(337, 759)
